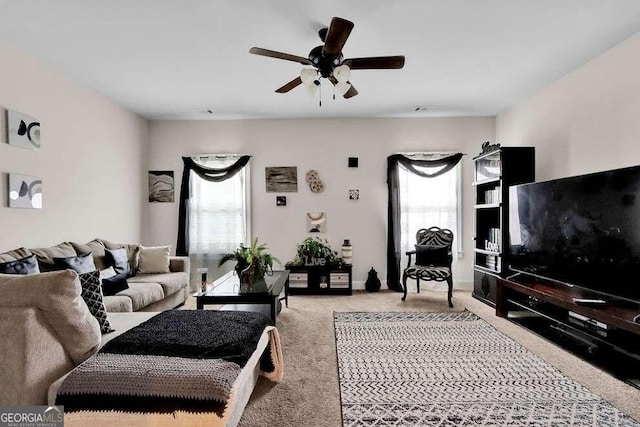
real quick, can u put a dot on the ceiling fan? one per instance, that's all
(329, 63)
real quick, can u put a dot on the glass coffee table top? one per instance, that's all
(229, 286)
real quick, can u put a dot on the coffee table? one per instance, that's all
(226, 290)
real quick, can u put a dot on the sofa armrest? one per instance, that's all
(179, 264)
(32, 355)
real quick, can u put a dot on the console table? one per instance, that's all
(319, 280)
(604, 335)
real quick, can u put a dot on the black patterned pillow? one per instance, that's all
(92, 295)
(27, 265)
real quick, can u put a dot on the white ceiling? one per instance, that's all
(169, 59)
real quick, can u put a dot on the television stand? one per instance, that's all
(603, 333)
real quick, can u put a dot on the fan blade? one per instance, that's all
(375, 63)
(279, 55)
(293, 83)
(351, 92)
(337, 35)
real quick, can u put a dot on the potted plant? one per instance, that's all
(252, 263)
(315, 247)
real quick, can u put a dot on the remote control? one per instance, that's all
(588, 301)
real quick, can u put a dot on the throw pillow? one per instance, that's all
(27, 265)
(118, 259)
(80, 263)
(92, 296)
(432, 255)
(153, 260)
(114, 284)
(107, 272)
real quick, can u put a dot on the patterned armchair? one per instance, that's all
(433, 259)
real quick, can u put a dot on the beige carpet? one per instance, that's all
(309, 393)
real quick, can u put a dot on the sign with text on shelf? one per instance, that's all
(310, 261)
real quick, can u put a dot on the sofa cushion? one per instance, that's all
(26, 265)
(118, 304)
(96, 247)
(46, 255)
(114, 284)
(92, 295)
(170, 282)
(14, 254)
(154, 259)
(143, 294)
(119, 260)
(132, 251)
(79, 263)
(57, 296)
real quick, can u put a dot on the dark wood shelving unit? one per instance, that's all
(319, 280)
(494, 172)
(604, 335)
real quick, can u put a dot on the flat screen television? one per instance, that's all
(580, 231)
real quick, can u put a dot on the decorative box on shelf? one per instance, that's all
(319, 279)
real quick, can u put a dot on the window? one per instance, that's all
(219, 216)
(427, 202)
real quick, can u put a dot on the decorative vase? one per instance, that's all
(347, 251)
(373, 283)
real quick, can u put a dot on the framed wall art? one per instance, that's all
(25, 191)
(161, 187)
(281, 179)
(22, 130)
(316, 222)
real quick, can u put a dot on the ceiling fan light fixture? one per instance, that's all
(313, 89)
(342, 73)
(308, 75)
(342, 87)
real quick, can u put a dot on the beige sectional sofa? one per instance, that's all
(146, 292)
(47, 330)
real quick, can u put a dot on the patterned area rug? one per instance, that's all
(453, 369)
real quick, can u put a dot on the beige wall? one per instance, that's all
(587, 121)
(91, 161)
(324, 145)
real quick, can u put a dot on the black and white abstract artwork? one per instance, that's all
(281, 200)
(22, 130)
(161, 187)
(316, 222)
(354, 194)
(281, 179)
(25, 191)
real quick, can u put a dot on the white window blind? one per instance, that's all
(427, 202)
(219, 216)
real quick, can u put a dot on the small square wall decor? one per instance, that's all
(353, 162)
(316, 222)
(281, 200)
(161, 186)
(22, 130)
(25, 191)
(354, 194)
